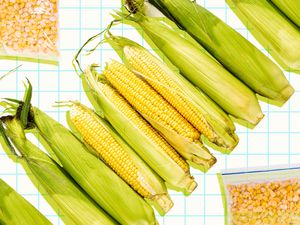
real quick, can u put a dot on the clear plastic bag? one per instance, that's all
(29, 30)
(261, 197)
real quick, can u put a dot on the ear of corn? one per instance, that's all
(290, 8)
(255, 69)
(211, 77)
(97, 179)
(147, 142)
(154, 108)
(278, 35)
(15, 210)
(200, 111)
(65, 197)
(120, 157)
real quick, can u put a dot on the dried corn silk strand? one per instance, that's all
(29, 26)
(267, 203)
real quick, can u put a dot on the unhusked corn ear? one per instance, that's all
(163, 84)
(228, 46)
(15, 210)
(274, 31)
(52, 181)
(290, 8)
(120, 157)
(141, 124)
(138, 133)
(146, 100)
(160, 114)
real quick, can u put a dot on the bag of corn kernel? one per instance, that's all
(261, 197)
(29, 30)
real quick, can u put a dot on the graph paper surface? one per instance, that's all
(275, 141)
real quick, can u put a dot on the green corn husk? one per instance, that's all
(159, 161)
(15, 210)
(157, 191)
(291, 8)
(59, 189)
(99, 181)
(196, 65)
(278, 35)
(225, 139)
(230, 48)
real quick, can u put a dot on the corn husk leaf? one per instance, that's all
(290, 8)
(256, 70)
(160, 162)
(159, 196)
(92, 174)
(15, 210)
(212, 78)
(65, 197)
(278, 35)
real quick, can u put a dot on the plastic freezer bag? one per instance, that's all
(261, 197)
(29, 30)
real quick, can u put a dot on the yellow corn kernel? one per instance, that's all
(100, 139)
(143, 62)
(143, 126)
(147, 101)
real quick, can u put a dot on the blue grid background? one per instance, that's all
(274, 141)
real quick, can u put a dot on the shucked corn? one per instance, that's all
(119, 156)
(272, 203)
(144, 139)
(29, 26)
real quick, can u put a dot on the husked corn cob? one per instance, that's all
(156, 77)
(147, 101)
(137, 132)
(159, 113)
(141, 124)
(119, 156)
(15, 210)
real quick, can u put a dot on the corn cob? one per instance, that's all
(92, 174)
(119, 156)
(277, 34)
(290, 8)
(65, 197)
(15, 210)
(201, 69)
(182, 95)
(151, 147)
(155, 109)
(256, 70)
